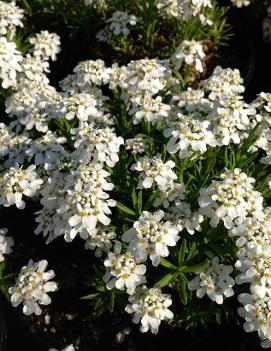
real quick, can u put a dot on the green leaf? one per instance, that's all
(3, 266)
(90, 296)
(218, 317)
(197, 268)
(166, 279)
(183, 278)
(125, 209)
(182, 252)
(165, 263)
(111, 302)
(139, 202)
(192, 251)
(134, 197)
(182, 290)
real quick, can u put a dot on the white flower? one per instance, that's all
(16, 182)
(10, 17)
(223, 81)
(147, 75)
(119, 21)
(79, 105)
(214, 281)
(185, 9)
(150, 307)
(100, 241)
(148, 108)
(189, 52)
(136, 145)
(10, 59)
(47, 151)
(231, 198)
(46, 45)
(32, 286)
(99, 144)
(240, 3)
(74, 202)
(230, 118)
(154, 170)
(6, 243)
(67, 348)
(91, 72)
(123, 271)
(34, 69)
(255, 265)
(189, 135)
(182, 216)
(118, 76)
(151, 236)
(256, 312)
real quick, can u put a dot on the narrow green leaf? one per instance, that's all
(183, 278)
(166, 279)
(165, 263)
(90, 296)
(134, 197)
(3, 266)
(139, 202)
(197, 268)
(192, 252)
(218, 317)
(182, 290)
(111, 302)
(125, 209)
(182, 252)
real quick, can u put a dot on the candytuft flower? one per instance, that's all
(32, 286)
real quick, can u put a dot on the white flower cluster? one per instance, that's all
(99, 144)
(119, 22)
(234, 200)
(154, 171)
(214, 281)
(231, 199)
(16, 70)
(86, 75)
(189, 52)
(150, 236)
(100, 241)
(10, 59)
(185, 9)
(32, 286)
(254, 256)
(262, 121)
(150, 307)
(240, 3)
(6, 243)
(148, 108)
(189, 135)
(10, 17)
(136, 145)
(223, 81)
(16, 182)
(46, 45)
(74, 202)
(123, 271)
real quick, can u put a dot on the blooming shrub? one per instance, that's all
(160, 168)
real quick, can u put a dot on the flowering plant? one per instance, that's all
(160, 168)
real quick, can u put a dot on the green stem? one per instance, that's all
(26, 4)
